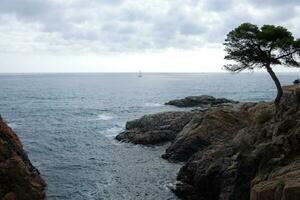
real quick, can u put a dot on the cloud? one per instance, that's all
(108, 26)
(274, 3)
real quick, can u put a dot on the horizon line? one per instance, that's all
(220, 72)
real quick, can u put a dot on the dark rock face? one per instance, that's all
(216, 126)
(198, 101)
(19, 179)
(230, 153)
(215, 170)
(206, 175)
(156, 128)
(217, 144)
(260, 163)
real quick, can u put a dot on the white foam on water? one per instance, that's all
(12, 125)
(112, 132)
(151, 104)
(103, 117)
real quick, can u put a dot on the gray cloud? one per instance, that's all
(129, 25)
(218, 5)
(274, 3)
(25, 8)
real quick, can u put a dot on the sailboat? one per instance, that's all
(140, 74)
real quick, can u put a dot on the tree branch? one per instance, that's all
(285, 55)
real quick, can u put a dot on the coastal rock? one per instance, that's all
(198, 101)
(237, 151)
(262, 162)
(217, 126)
(282, 183)
(207, 174)
(19, 179)
(155, 128)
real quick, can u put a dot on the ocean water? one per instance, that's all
(67, 123)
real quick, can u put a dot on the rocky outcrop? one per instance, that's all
(19, 179)
(262, 162)
(277, 152)
(283, 183)
(234, 151)
(155, 128)
(199, 101)
(213, 127)
(207, 175)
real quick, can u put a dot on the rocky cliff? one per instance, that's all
(19, 179)
(238, 151)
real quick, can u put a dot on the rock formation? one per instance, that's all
(216, 126)
(156, 128)
(199, 101)
(260, 163)
(19, 179)
(235, 151)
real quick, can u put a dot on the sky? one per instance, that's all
(129, 35)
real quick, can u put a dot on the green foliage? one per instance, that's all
(252, 47)
(280, 185)
(264, 116)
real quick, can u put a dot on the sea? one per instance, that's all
(67, 123)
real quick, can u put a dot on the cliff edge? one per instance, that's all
(19, 179)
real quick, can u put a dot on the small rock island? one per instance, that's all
(241, 151)
(196, 101)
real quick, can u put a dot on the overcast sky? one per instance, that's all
(128, 35)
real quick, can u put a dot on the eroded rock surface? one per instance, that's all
(215, 126)
(260, 163)
(19, 179)
(156, 128)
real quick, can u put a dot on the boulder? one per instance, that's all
(199, 101)
(19, 179)
(155, 128)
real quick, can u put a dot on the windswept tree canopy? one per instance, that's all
(251, 47)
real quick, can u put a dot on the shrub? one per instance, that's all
(297, 81)
(264, 116)
(297, 95)
(280, 185)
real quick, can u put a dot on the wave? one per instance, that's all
(12, 125)
(105, 117)
(150, 104)
(112, 132)
(102, 117)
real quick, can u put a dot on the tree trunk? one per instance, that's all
(277, 83)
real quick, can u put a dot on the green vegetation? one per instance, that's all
(252, 47)
(264, 116)
(280, 185)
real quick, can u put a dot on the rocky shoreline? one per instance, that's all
(234, 150)
(19, 179)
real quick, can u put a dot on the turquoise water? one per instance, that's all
(67, 123)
